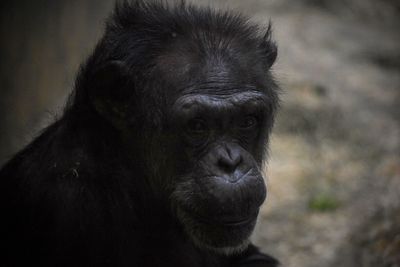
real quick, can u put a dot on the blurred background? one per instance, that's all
(334, 167)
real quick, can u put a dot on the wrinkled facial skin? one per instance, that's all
(220, 189)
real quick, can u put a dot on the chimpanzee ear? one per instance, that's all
(268, 48)
(108, 90)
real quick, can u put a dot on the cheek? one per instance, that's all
(260, 149)
(254, 143)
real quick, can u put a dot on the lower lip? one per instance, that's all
(237, 223)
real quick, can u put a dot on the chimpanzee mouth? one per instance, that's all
(230, 222)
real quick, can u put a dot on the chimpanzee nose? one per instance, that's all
(229, 159)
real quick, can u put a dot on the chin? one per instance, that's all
(225, 238)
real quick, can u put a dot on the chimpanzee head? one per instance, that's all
(190, 91)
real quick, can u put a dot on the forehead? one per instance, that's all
(186, 69)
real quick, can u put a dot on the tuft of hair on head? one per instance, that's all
(268, 46)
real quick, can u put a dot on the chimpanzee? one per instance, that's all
(156, 160)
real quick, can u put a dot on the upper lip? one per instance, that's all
(233, 178)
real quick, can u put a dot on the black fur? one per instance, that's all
(94, 188)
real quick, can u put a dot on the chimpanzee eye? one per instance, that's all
(248, 122)
(197, 126)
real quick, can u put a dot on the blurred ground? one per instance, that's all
(334, 170)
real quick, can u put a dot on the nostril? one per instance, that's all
(229, 164)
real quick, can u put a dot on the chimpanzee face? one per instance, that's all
(220, 126)
(219, 196)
